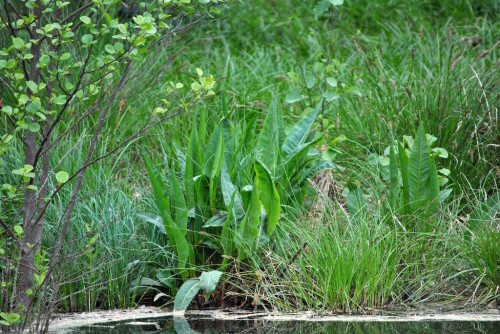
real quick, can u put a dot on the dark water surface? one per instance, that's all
(192, 326)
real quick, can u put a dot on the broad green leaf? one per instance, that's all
(208, 282)
(430, 139)
(444, 171)
(433, 198)
(34, 127)
(230, 194)
(268, 141)
(300, 131)
(419, 171)
(330, 96)
(316, 166)
(444, 194)
(310, 80)
(85, 19)
(229, 141)
(293, 158)
(321, 7)
(440, 152)
(32, 86)
(405, 199)
(248, 135)
(65, 56)
(336, 2)
(186, 293)
(87, 39)
(181, 212)
(109, 49)
(355, 202)
(217, 221)
(331, 81)
(153, 219)
(193, 167)
(329, 154)
(249, 227)
(293, 97)
(174, 233)
(214, 154)
(213, 159)
(268, 196)
(18, 229)
(394, 179)
(226, 235)
(62, 177)
(181, 158)
(18, 43)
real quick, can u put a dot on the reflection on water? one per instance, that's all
(193, 326)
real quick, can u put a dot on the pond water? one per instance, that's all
(197, 325)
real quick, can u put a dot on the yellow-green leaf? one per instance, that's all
(62, 177)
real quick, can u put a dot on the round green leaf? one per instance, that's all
(85, 19)
(34, 127)
(109, 48)
(18, 229)
(87, 39)
(18, 43)
(62, 177)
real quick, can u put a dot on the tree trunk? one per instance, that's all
(32, 232)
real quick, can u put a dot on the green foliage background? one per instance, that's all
(379, 70)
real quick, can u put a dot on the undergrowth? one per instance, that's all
(396, 67)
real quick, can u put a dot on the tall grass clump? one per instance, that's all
(108, 250)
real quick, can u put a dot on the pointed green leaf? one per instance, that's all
(331, 81)
(248, 135)
(356, 202)
(174, 233)
(216, 221)
(405, 199)
(293, 97)
(433, 199)
(181, 211)
(321, 7)
(193, 167)
(419, 171)
(186, 293)
(268, 196)
(300, 131)
(226, 236)
(267, 143)
(214, 154)
(394, 178)
(297, 153)
(153, 219)
(316, 166)
(249, 226)
(231, 194)
(208, 281)
(229, 141)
